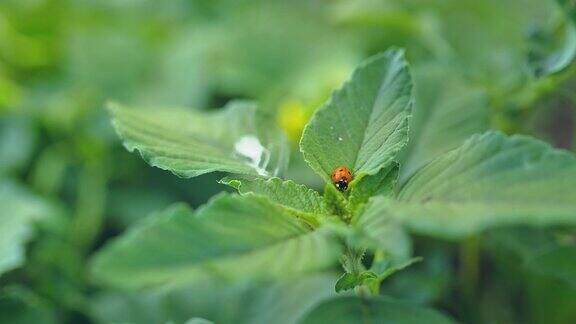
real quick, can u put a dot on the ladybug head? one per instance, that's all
(342, 184)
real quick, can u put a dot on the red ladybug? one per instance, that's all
(341, 177)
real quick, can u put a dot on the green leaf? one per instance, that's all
(552, 49)
(353, 309)
(448, 111)
(351, 280)
(381, 268)
(248, 302)
(491, 180)
(379, 184)
(372, 279)
(521, 241)
(549, 252)
(232, 237)
(384, 269)
(377, 232)
(365, 123)
(190, 143)
(20, 210)
(287, 193)
(558, 262)
(198, 320)
(569, 8)
(336, 201)
(426, 282)
(20, 306)
(17, 140)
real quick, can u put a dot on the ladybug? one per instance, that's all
(341, 177)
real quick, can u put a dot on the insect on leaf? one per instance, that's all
(365, 123)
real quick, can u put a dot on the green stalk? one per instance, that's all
(90, 206)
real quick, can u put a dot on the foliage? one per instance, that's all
(457, 121)
(490, 180)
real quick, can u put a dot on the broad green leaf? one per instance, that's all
(379, 184)
(287, 193)
(248, 302)
(365, 123)
(491, 180)
(353, 309)
(20, 210)
(190, 143)
(558, 262)
(231, 237)
(375, 231)
(448, 111)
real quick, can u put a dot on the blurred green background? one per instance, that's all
(67, 185)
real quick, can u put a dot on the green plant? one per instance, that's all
(277, 229)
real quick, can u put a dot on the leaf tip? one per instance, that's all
(234, 183)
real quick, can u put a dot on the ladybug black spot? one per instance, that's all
(342, 184)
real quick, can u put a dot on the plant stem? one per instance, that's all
(468, 273)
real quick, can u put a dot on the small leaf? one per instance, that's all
(347, 281)
(351, 309)
(351, 280)
(287, 193)
(20, 210)
(552, 49)
(365, 123)
(385, 269)
(491, 180)
(190, 143)
(232, 237)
